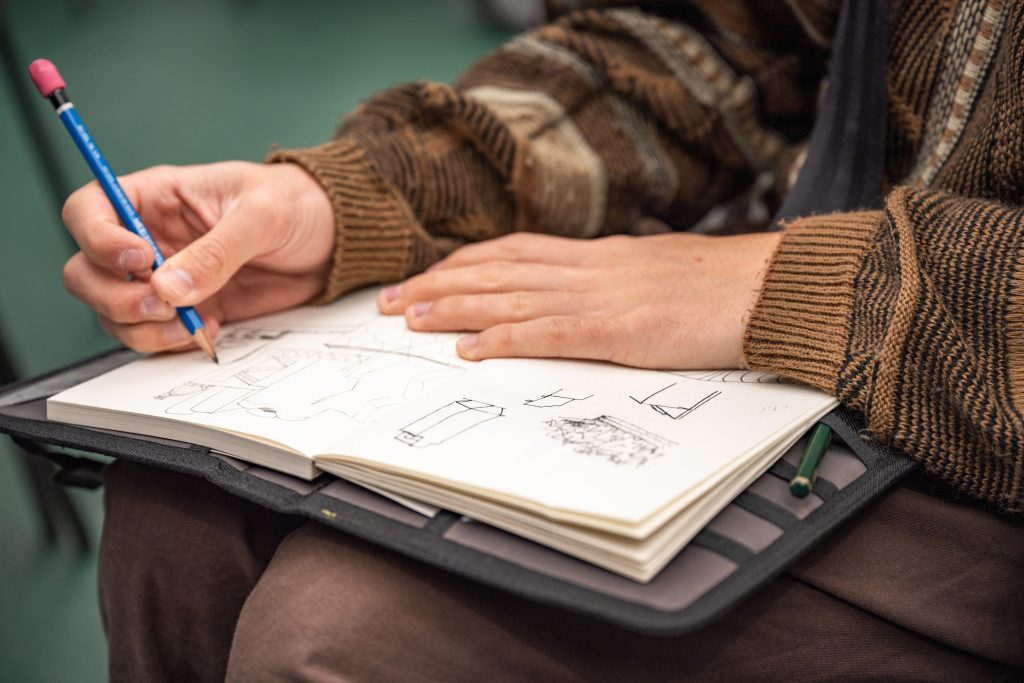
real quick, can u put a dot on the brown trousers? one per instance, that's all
(196, 585)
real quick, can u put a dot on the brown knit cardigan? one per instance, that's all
(913, 315)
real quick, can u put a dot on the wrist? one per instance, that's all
(374, 227)
(312, 213)
(754, 259)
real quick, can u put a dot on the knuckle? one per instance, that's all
(211, 255)
(69, 274)
(519, 305)
(125, 334)
(512, 238)
(104, 308)
(555, 333)
(616, 240)
(138, 337)
(494, 275)
(263, 201)
(427, 282)
(616, 343)
(422, 287)
(512, 243)
(454, 306)
(130, 309)
(68, 210)
(134, 339)
(107, 326)
(466, 312)
(595, 334)
(644, 317)
(501, 338)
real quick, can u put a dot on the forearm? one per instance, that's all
(579, 128)
(914, 316)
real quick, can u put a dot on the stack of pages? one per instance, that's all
(617, 466)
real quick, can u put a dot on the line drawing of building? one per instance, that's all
(665, 403)
(447, 422)
(556, 399)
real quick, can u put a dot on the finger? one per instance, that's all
(204, 266)
(261, 292)
(563, 336)
(96, 228)
(519, 246)
(493, 277)
(151, 337)
(112, 297)
(480, 311)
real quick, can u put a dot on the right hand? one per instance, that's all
(241, 240)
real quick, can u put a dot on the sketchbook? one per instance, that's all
(617, 466)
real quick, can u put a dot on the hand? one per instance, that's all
(241, 239)
(676, 301)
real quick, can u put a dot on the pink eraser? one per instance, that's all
(45, 76)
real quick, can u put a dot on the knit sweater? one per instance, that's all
(912, 314)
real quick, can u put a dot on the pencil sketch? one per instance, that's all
(556, 399)
(353, 371)
(673, 403)
(448, 421)
(609, 438)
(732, 376)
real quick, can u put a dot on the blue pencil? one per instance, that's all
(51, 86)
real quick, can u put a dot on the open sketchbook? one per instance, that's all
(617, 466)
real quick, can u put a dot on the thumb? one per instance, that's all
(201, 269)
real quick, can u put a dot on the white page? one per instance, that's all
(302, 378)
(576, 440)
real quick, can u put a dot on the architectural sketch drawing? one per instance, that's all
(298, 374)
(556, 399)
(611, 439)
(734, 376)
(448, 421)
(673, 402)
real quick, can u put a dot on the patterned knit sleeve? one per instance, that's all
(581, 128)
(914, 316)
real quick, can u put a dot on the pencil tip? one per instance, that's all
(202, 339)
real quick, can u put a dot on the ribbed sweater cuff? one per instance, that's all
(800, 326)
(1015, 342)
(372, 221)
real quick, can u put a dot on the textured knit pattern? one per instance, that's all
(919, 318)
(613, 113)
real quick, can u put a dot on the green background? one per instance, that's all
(180, 82)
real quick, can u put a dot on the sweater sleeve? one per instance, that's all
(579, 128)
(917, 320)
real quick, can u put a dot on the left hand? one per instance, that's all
(673, 301)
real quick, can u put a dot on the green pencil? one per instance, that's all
(821, 437)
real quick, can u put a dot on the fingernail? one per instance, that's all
(177, 280)
(152, 307)
(391, 293)
(420, 309)
(132, 260)
(434, 266)
(469, 342)
(174, 333)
